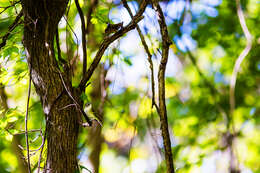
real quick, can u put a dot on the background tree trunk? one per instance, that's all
(98, 96)
(22, 164)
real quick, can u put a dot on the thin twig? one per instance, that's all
(26, 122)
(67, 106)
(71, 29)
(241, 57)
(233, 162)
(12, 5)
(35, 150)
(147, 52)
(28, 131)
(108, 40)
(10, 29)
(69, 59)
(40, 157)
(83, 36)
(75, 102)
(58, 47)
(161, 81)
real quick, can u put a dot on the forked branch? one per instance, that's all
(108, 40)
(147, 52)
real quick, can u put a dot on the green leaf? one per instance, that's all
(12, 119)
(9, 137)
(94, 20)
(83, 167)
(3, 123)
(127, 61)
(84, 97)
(8, 51)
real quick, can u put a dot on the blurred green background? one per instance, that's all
(206, 136)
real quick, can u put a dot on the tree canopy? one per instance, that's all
(130, 86)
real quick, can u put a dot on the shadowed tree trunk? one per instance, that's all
(95, 137)
(98, 96)
(41, 20)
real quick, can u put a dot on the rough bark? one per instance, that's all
(41, 19)
(161, 82)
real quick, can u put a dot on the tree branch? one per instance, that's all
(161, 80)
(108, 40)
(75, 102)
(83, 36)
(58, 47)
(9, 6)
(148, 54)
(234, 167)
(10, 29)
(40, 157)
(241, 57)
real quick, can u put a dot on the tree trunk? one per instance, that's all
(41, 20)
(97, 98)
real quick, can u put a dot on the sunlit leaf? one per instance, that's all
(94, 20)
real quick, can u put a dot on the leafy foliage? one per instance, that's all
(198, 116)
